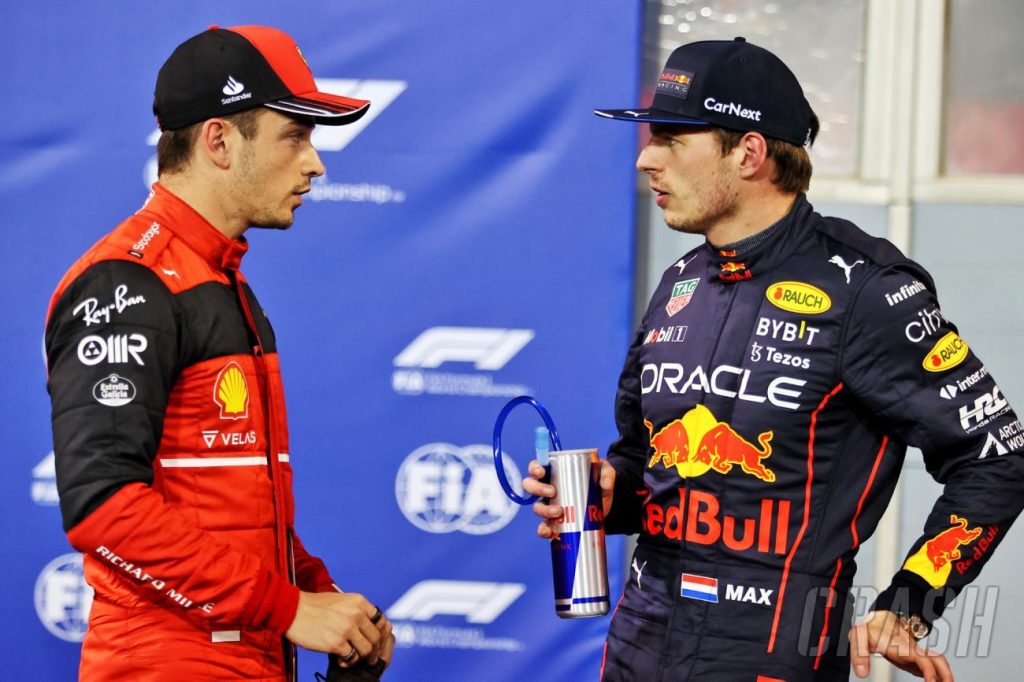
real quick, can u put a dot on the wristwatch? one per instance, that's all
(916, 627)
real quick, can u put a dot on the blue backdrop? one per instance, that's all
(472, 240)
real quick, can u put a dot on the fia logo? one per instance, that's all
(63, 598)
(443, 488)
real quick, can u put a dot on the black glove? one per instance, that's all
(360, 672)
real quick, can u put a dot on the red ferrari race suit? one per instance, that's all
(172, 455)
(764, 411)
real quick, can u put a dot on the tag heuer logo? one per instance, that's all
(682, 292)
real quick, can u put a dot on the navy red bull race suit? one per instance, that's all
(764, 411)
(172, 455)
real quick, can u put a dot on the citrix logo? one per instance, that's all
(478, 602)
(486, 348)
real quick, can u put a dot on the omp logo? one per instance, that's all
(442, 488)
(381, 94)
(44, 482)
(63, 598)
(478, 602)
(487, 349)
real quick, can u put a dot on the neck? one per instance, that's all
(754, 213)
(209, 200)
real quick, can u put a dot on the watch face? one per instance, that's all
(917, 628)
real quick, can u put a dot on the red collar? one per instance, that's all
(195, 230)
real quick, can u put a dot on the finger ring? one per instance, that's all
(375, 618)
(347, 658)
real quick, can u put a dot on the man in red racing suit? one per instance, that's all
(169, 422)
(766, 404)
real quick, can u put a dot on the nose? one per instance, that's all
(646, 160)
(314, 166)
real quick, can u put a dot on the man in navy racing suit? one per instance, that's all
(767, 400)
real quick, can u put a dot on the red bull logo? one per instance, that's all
(933, 561)
(733, 267)
(675, 77)
(698, 518)
(945, 546)
(698, 443)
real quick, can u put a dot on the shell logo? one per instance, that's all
(231, 392)
(947, 353)
(798, 297)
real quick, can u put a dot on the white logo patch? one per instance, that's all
(114, 391)
(92, 313)
(116, 349)
(232, 87)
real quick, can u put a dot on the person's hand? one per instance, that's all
(551, 513)
(342, 623)
(880, 632)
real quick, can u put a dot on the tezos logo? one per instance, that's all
(443, 488)
(63, 598)
(488, 349)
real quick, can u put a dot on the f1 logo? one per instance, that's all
(487, 349)
(479, 602)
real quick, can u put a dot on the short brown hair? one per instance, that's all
(174, 149)
(792, 162)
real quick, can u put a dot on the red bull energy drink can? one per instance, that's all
(578, 559)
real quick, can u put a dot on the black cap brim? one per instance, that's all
(649, 116)
(324, 108)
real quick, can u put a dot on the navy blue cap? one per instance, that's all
(730, 84)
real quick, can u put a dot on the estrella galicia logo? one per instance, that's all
(442, 488)
(63, 598)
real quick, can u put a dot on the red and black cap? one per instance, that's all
(729, 84)
(223, 71)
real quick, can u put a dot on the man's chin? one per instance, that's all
(275, 223)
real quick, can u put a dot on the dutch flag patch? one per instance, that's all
(699, 587)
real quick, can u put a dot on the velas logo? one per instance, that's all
(798, 297)
(231, 392)
(682, 292)
(697, 518)
(948, 352)
(932, 561)
(232, 87)
(698, 443)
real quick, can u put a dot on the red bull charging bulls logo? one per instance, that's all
(933, 561)
(699, 443)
